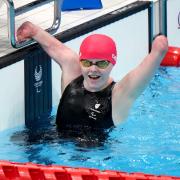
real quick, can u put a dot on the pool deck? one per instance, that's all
(43, 16)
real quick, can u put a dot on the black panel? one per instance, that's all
(165, 14)
(150, 24)
(38, 86)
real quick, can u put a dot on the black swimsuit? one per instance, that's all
(79, 108)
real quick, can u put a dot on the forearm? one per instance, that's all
(51, 45)
(44, 38)
(57, 50)
(140, 76)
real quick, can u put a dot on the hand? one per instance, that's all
(26, 31)
(160, 45)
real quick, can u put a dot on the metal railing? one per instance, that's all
(12, 13)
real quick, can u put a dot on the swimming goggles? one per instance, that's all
(100, 64)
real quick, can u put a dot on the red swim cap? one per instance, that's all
(98, 46)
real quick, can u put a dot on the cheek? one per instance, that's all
(106, 75)
(107, 71)
(84, 70)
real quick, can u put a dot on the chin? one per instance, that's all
(95, 87)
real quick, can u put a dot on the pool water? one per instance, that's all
(149, 141)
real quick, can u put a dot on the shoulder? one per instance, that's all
(77, 82)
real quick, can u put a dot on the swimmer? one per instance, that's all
(90, 97)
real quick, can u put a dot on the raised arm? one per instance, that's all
(64, 56)
(140, 76)
(131, 86)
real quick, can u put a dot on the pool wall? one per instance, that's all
(27, 79)
(173, 22)
(12, 111)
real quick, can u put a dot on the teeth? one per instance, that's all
(94, 76)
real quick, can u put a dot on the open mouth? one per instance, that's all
(94, 77)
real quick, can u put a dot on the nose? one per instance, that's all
(93, 68)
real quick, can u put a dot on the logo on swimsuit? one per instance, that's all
(97, 106)
(179, 20)
(95, 111)
(38, 77)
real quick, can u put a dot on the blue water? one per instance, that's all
(149, 141)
